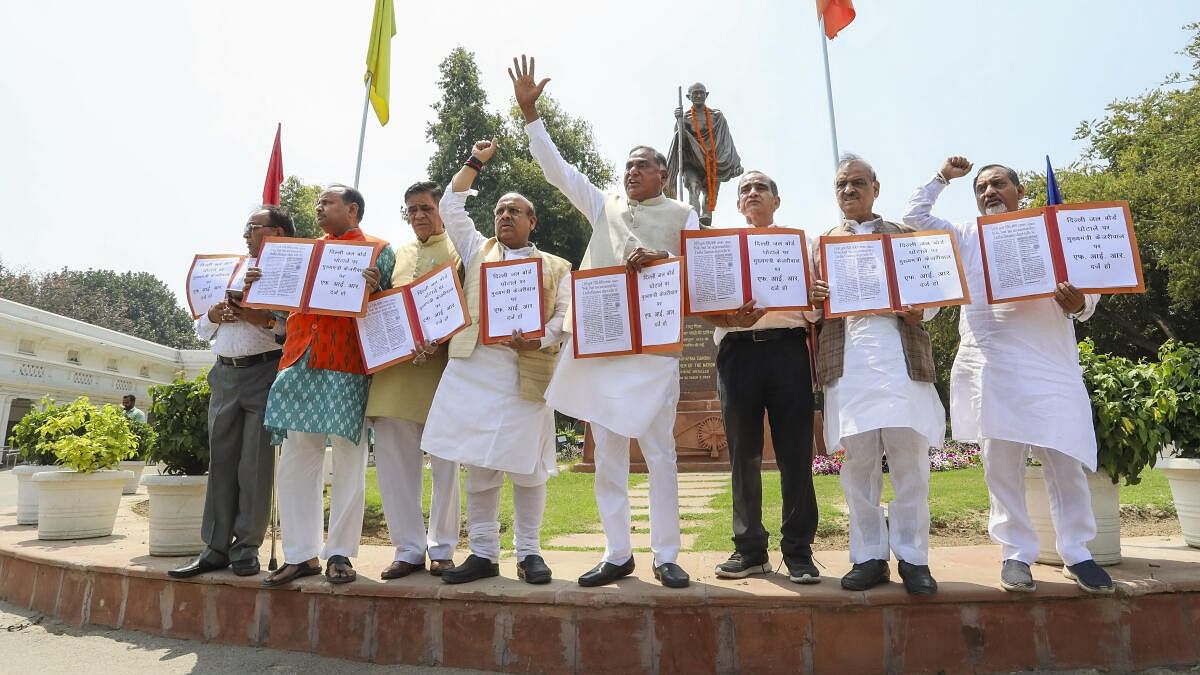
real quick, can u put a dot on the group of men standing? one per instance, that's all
(1016, 388)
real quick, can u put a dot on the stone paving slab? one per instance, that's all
(683, 492)
(683, 501)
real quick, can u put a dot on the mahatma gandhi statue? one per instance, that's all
(709, 157)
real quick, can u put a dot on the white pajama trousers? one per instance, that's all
(301, 506)
(1070, 501)
(483, 511)
(905, 530)
(612, 488)
(399, 461)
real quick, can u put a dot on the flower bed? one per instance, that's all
(954, 455)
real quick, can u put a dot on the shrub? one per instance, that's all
(181, 421)
(25, 436)
(86, 438)
(146, 437)
(1179, 371)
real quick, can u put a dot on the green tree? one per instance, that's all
(1144, 150)
(463, 119)
(136, 303)
(300, 200)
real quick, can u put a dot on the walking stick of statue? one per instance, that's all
(679, 150)
(274, 563)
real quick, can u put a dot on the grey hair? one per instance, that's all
(847, 158)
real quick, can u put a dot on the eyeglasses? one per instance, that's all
(251, 227)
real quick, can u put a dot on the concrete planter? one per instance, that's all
(176, 511)
(27, 494)
(1106, 505)
(136, 466)
(1184, 476)
(73, 505)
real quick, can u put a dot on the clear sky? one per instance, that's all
(136, 133)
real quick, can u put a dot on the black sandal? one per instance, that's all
(297, 571)
(343, 566)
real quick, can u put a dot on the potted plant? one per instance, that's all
(1179, 371)
(90, 442)
(36, 455)
(177, 493)
(146, 439)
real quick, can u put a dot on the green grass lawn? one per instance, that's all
(955, 497)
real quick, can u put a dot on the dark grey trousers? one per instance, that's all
(241, 466)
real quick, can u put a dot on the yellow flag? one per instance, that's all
(379, 58)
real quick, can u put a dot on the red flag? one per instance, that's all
(837, 14)
(274, 172)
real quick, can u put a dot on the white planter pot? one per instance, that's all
(27, 493)
(74, 505)
(1106, 505)
(176, 511)
(131, 485)
(1184, 477)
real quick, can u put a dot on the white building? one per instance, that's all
(42, 353)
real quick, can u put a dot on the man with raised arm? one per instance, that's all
(762, 367)
(1016, 388)
(877, 373)
(621, 397)
(398, 405)
(489, 412)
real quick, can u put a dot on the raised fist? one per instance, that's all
(956, 167)
(483, 150)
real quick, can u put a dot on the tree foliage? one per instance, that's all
(462, 119)
(136, 303)
(1144, 150)
(300, 200)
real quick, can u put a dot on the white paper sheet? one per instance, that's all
(207, 281)
(1019, 262)
(660, 301)
(514, 298)
(438, 305)
(384, 333)
(714, 269)
(338, 283)
(237, 283)
(777, 277)
(601, 310)
(927, 269)
(284, 268)
(857, 276)
(1097, 248)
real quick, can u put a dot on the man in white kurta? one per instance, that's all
(627, 396)
(1016, 388)
(483, 414)
(879, 400)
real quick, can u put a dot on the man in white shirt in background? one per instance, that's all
(237, 506)
(621, 397)
(1017, 388)
(877, 372)
(763, 367)
(489, 412)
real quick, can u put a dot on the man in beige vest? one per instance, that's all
(877, 373)
(398, 405)
(621, 397)
(488, 412)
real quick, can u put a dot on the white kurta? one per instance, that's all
(478, 417)
(1017, 375)
(875, 391)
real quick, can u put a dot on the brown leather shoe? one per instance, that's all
(436, 567)
(401, 568)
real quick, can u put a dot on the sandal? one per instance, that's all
(291, 572)
(338, 570)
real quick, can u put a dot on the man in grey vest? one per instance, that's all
(612, 393)
(241, 462)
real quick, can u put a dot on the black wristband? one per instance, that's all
(474, 163)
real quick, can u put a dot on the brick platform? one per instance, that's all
(756, 625)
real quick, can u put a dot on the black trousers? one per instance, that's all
(771, 376)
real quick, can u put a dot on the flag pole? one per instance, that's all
(828, 91)
(362, 132)
(679, 149)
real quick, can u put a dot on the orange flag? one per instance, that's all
(837, 14)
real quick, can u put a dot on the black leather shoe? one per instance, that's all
(606, 573)
(533, 570)
(196, 567)
(472, 569)
(672, 575)
(246, 568)
(866, 575)
(917, 579)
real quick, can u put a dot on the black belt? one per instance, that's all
(252, 360)
(766, 334)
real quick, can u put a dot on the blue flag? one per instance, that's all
(1053, 196)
